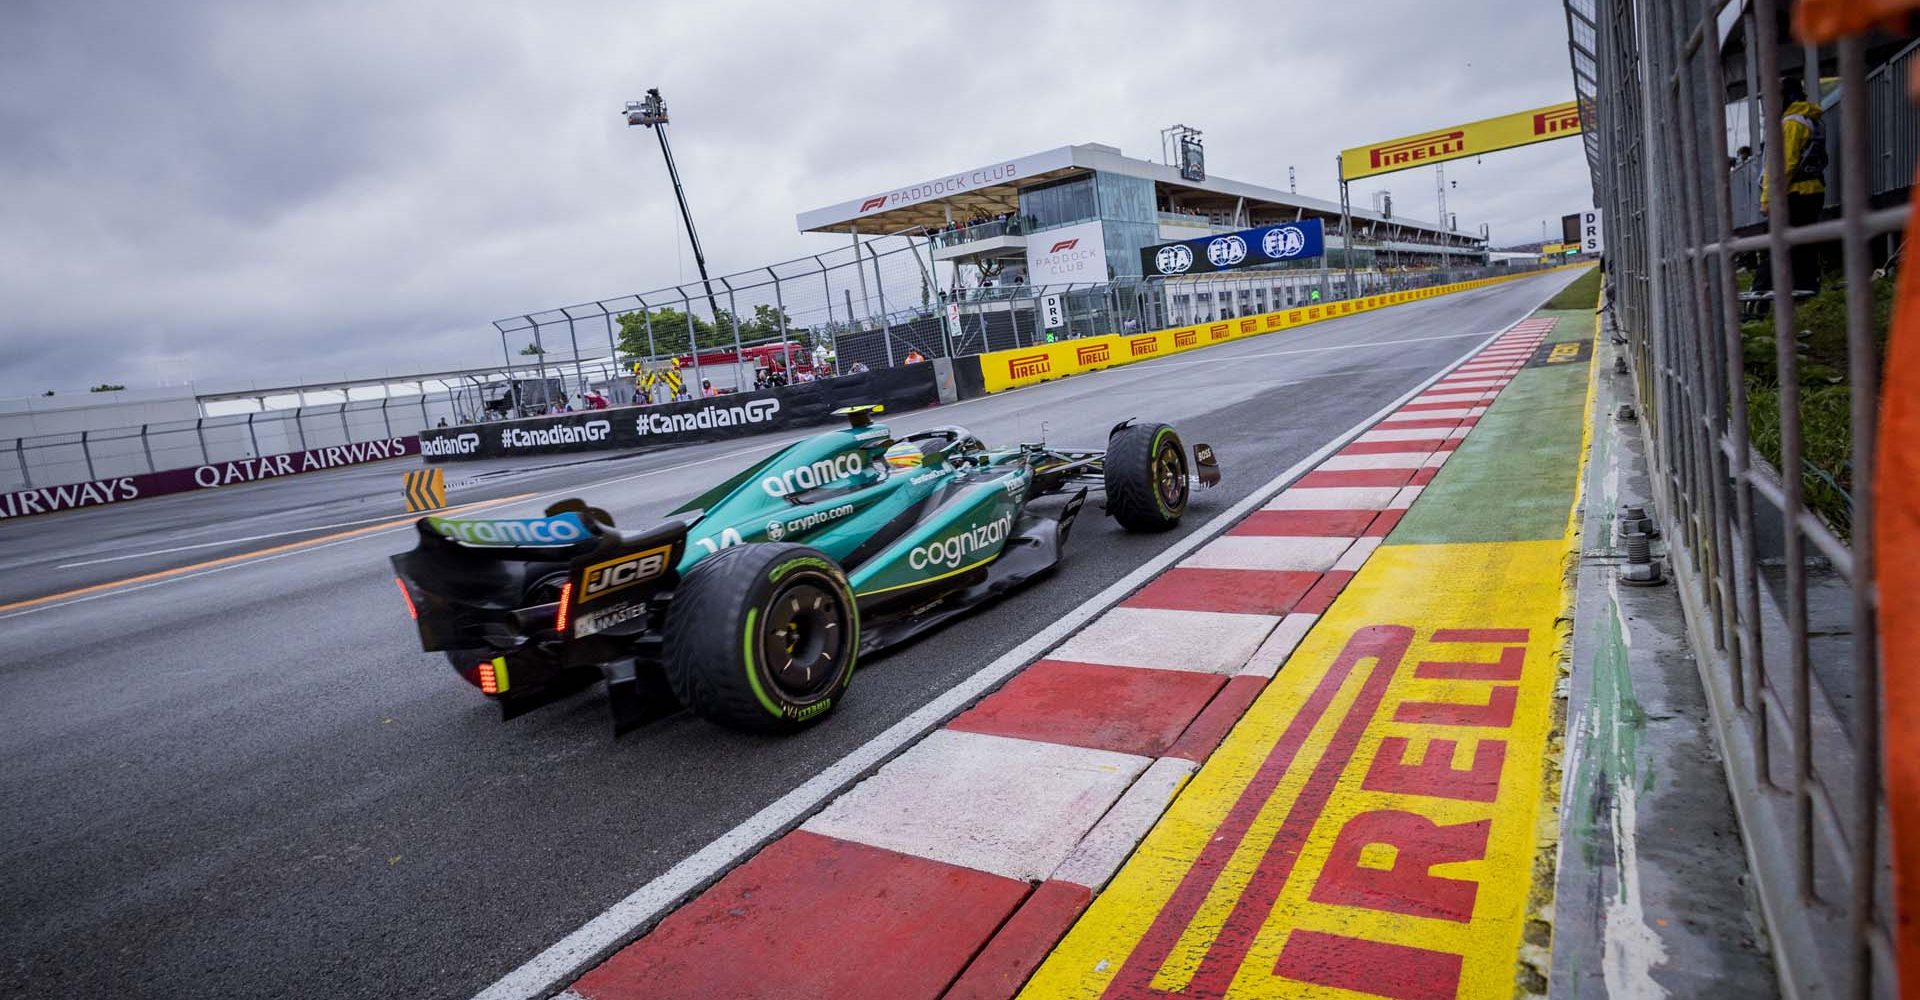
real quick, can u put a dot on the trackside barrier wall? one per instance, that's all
(212, 475)
(1003, 370)
(734, 414)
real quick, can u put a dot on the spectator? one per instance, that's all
(707, 389)
(914, 356)
(859, 368)
(442, 423)
(1805, 138)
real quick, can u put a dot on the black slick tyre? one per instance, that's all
(762, 637)
(1146, 474)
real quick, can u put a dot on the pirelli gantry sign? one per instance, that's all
(1505, 132)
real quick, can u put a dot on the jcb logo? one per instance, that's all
(601, 579)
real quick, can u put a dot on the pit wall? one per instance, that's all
(1003, 370)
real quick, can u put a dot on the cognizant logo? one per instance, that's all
(817, 474)
(953, 550)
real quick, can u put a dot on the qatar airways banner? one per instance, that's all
(94, 493)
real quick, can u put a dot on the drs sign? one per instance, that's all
(1592, 236)
(1231, 251)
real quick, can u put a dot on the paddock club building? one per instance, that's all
(1082, 214)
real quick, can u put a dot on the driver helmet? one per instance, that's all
(904, 455)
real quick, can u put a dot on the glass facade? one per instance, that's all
(1130, 220)
(1061, 203)
(1124, 205)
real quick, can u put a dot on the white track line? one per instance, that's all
(552, 969)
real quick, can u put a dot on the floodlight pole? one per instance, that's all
(652, 113)
(1346, 224)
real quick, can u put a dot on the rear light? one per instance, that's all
(412, 612)
(566, 600)
(493, 675)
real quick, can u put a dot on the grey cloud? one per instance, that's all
(276, 191)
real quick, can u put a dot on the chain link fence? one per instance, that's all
(887, 302)
(1755, 341)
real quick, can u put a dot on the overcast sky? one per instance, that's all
(284, 191)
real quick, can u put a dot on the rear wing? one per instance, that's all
(503, 582)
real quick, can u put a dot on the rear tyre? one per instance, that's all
(1146, 473)
(762, 637)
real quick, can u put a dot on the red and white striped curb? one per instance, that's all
(956, 867)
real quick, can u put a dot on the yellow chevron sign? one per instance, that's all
(425, 490)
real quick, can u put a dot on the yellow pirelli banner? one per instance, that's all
(1505, 132)
(1002, 370)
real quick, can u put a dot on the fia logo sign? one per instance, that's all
(1175, 259)
(1227, 251)
(1282, 242)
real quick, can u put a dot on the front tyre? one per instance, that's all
(1146, 473)
(762, 637)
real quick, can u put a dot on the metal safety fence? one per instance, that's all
(1755, 356)
(885, 301)
(90, 455)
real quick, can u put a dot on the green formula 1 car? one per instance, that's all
(752, 604)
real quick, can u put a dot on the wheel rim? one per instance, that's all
(1170, 476)
(805, 640)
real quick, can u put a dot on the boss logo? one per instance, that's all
(601, 579)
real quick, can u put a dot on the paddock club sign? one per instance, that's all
(1230, 251)
(94, 493)
(687, 422)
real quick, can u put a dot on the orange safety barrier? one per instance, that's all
(1822, 21)
(1896, 538)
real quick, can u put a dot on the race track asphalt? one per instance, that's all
(245, 780)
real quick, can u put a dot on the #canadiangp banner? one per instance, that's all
(709, 419)
(1246, 248)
